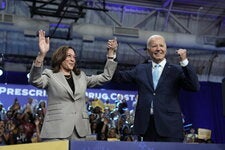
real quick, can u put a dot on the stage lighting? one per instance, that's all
(2, 4)
(1, 71)
(1, 64)
(28, 75)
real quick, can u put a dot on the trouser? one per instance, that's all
(152, 135)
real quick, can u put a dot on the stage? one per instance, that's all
(114, 145)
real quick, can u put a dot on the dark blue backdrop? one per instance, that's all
(204, 109)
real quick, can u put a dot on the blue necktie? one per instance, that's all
(155, 75)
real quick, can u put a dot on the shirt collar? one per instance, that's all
(162, 63)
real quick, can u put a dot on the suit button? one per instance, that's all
(154, 94)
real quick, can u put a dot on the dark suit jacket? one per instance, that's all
(167, 111)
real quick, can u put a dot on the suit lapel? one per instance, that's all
(149, 74)
(59, 77)
(164, 74)
(75, 81)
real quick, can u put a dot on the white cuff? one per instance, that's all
(184, 63)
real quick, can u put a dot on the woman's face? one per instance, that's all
(69, 63)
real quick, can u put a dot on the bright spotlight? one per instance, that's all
(1, 71)
(1, 64)
(28, 75)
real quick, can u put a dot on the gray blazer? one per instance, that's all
(66, 109)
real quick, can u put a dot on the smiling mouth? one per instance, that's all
(157, 54)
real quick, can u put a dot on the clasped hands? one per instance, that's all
(112, 48)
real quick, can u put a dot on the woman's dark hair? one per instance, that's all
(59, 56)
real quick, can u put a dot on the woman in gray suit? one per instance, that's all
(66, 116)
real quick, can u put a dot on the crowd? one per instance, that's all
(109, 122)
(22, 124)
(112, 121)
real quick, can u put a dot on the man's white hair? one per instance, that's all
(152, 37)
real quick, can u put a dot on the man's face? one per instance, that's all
(157, 49)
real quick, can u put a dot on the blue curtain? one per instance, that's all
(204, 109)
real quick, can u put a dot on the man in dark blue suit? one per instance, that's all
(158, 115)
